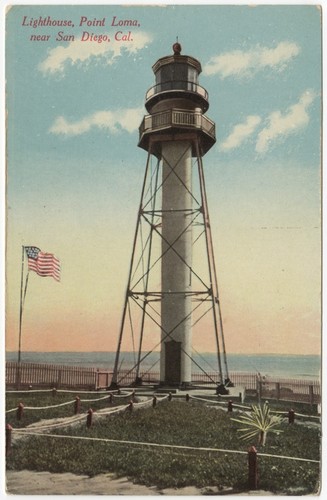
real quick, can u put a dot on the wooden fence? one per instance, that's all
(20, 375)
(24, 375)
(306, 391)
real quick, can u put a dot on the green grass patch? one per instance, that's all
(177, 423)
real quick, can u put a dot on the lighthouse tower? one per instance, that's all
(177, 133)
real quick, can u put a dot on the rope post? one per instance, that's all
(291, 416)
(253, 468)
(20, 411)
(154, 402)
(130, 406)
(170, 396)
(89, 418)
(133, 396)
(187, 397)
(119, 392)
(54, 392)
(8, 439)
(110, 398)
(77, 405)
(230, 406)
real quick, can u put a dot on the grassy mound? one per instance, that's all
(177, 423)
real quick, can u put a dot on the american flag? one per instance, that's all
(44, 264)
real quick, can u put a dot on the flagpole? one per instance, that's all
(21, 307)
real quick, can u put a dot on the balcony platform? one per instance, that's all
(169, 124)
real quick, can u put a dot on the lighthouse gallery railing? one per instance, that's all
(177, 117)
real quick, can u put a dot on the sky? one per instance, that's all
(74, 171)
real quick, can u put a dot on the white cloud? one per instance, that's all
(82, 53)
(281, 125)
(246, 63)
(112, 121)
(240, 133)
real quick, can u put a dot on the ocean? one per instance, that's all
(273, 365)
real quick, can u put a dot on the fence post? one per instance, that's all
(133, 396)
(154, 402)
(259, 390)
(130, 406)
(291, 416)
(20, 411)
(77, 405)
(170, 396)
(311, 394)
(59, 378)
(8, 439)
(277, 391)
(54, 392)
(187, 397)
(253, 468)
(18, 376)
(230, 406)
(89, 418)
(110, 398)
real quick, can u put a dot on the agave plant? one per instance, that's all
(258, 423)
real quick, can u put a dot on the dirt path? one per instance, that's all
(34, 483)
(45, 483)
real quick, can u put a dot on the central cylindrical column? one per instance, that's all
(176, 307)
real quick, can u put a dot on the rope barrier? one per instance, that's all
(60, 404)
(109, 412)
(98, 414)
(48, 407)
(171, 446)
(126, 395)
(285, 413)
(307, 416)
(92, 400)
(73, 420)
(208, 400)
(289, 458)
(235, 405)
(137, 405)
(143, 403)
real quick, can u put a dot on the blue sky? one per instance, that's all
(74, 171)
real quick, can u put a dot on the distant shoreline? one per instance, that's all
(284, 366)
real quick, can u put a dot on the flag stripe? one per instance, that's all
(42, 263)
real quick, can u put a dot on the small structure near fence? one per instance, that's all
(26, 375)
